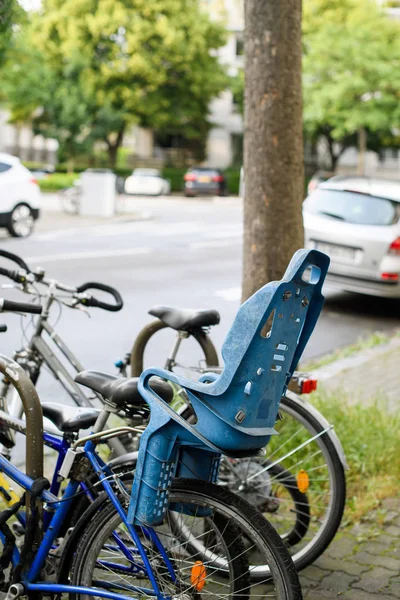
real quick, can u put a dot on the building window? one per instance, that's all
(239, 44)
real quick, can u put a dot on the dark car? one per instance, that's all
(204, 180)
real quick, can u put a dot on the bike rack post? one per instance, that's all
(34, 424)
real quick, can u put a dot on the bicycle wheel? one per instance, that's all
(227, 538)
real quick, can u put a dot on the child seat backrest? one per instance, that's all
(264, 346)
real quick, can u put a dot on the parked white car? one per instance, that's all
(147, 182)
(20, 197)
(356, 220)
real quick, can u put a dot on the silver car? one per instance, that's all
(356, 220)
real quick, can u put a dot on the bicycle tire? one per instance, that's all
(230, 507)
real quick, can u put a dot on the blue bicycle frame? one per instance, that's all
(61, 511)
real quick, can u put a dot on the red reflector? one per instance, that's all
(394, 247)
(190, 177)
(33, 180)
(390, 276)
(218, 178)
(308, 386)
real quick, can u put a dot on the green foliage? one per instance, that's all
(233, 180)
(57, 181)
(175, 177)
(351, 74)
(371, 441)
(95, 67)
(6, 18)
(351, 69)
(237, 87)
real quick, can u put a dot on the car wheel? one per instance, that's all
(21, 221)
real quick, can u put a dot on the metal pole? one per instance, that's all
(34, 427)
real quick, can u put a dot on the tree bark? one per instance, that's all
(362, 150)
(273, 140)
(333, 157)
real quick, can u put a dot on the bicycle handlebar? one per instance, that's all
(17, 259)
(14, 275)
(24, 307)
(27, 276)
(91, 301)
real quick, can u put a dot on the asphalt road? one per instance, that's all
(187, 254)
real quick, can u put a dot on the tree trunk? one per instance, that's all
(362, 149)
(332, 156)
(112, 155)
(113, 147)
(273, 140)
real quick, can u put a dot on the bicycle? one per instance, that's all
(110, 555)
(70, 198)
(306, 526)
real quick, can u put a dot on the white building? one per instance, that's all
(21, 142)
(226, 133)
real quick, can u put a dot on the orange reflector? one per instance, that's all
(303, 481)
(198, 575)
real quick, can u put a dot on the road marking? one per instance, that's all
(232, 294)
(210, 244)
(147, 227)
(90, 254)
(158, 229)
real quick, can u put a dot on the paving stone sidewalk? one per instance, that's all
(363, 562)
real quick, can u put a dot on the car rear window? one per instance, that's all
(208, 172)
(351, 207)
(4, 167)
(147, 173)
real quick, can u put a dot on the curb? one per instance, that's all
(351, 362)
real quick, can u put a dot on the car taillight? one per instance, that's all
(311, 186)
(308, 385)
(390, 276)
(33, 180)
(190, 177)
(217, 178)
(394, 247)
